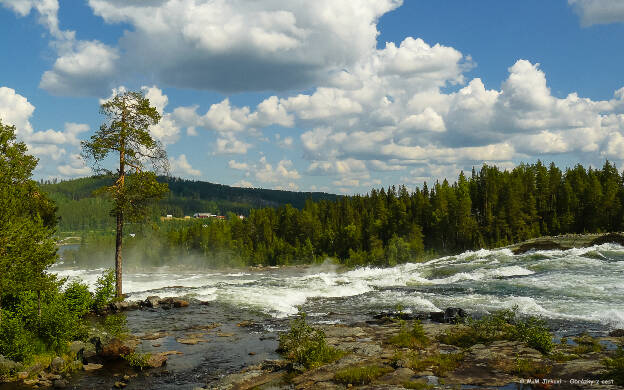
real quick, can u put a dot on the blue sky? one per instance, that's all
(326, 95)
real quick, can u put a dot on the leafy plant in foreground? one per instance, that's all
(306, 345)
(410, 338)
(615, 367)
(104, 290)
(502, 325)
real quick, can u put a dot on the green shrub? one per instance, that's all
(78, 298)
(57, 325)
(535, 334)
(410, 338)
(104, 290)
(116, 325)
(306, 345)
(360, 375)
(16, 343)
(137, 360)
(501, 325)
(615, 367)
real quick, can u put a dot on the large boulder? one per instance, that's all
(451, 315)
(58, 364)
(617, 333)
(151, 301)
(170, 302)
(116, 347)
(157, 360)
(117, 307)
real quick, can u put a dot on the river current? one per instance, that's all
(578, 285)
(575, 290)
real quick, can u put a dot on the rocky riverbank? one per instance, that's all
(567, 241)
(392, 350)
(373, 360)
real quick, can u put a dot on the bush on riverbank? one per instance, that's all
(615, 367)
(35, 324)
(410, 338)
(306, 345)
(104, 290)
(501, 325)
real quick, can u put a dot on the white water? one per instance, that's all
(578, 284)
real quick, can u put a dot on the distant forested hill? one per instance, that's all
(79, 209)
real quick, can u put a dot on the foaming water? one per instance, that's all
(583, 284)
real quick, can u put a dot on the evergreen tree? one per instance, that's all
(126, 135)
(27, 221)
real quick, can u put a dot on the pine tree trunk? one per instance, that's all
(39, 303)
(118, 269)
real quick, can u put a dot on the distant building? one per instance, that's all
(203, 215)
(169, 216)
(241, 216)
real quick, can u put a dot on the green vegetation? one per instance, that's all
(104, 290)
(440, 363)
(501, 325)
(360, 375)
(137, 360)
(615, 367)
(526, 368)
(306, 345)
(418, 386)
(410, 338)
(489, 208)
(116, 325)
(81, 210)
(586, 344)
(38, 317)
(126, 136)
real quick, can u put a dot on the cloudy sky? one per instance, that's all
(325, 95)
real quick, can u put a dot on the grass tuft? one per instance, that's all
(361, 375)
(586, 344)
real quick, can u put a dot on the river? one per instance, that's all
(574, 290)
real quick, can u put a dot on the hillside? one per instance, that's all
(80, 209)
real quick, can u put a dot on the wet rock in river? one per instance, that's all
(116, 307)
(169, 302)
(92, 367)
(157, 360)
(151, 301)
(117, 347)
(452, 315)
(617, 333)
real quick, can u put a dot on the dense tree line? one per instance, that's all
(489, 208)
(38, 313)
(81, 210)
